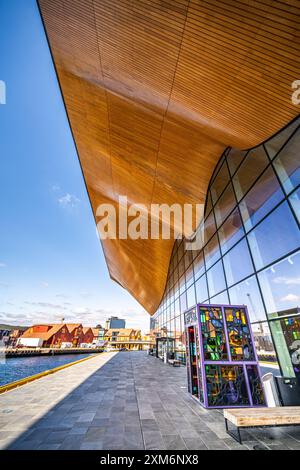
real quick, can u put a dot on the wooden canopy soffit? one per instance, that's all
(155, 90)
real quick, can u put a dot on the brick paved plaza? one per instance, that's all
(128, 401)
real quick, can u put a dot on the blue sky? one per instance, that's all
(51, 261)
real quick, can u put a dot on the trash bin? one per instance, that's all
(289, 391)
(270, 390)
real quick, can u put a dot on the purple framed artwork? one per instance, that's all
(222, 364)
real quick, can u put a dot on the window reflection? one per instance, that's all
(234, 158)
(275, 236)
(219, 183)
(287, 164)
(231, 231)
(209, 227)
(261, 199)
(208, 206)
(220, 299)
(216, 279)
(275, 144)
(295, 201)
(253, 165)
(237, 263)
(201, 289)
(225, 205)
(280, 285)
(212, 252)
(247, 293)
(263, 341)
(191, 298)
(199, 267)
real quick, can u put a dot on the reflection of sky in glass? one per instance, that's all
(274, 237)
(220, 299)
(216, 279)
(281, 284)
(237, 263)
(295, 201)
(247, 293)
(201, 289)
(261, 199)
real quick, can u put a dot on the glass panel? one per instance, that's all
(275, 144)
(225, 205)
(177, 307)
(226, 386)
(188, 258)
(181, 267)
(191, 298)
(274, 237)
(182, 286)
(209, 227)
(238, 263)
(240, 342)
(253, 165)
(287, 164)
(208, 206)
(216, 279)
(220, 299)
(247, 293)
(213, 334)
(255, 385)
(234, 158)
(180, 251)
(199, 265)
(231, 231)
(263, 342)
(201, 289)
(189, 276)
(212, 252)
(295, 201)
(219, 183)
(282, 331)
(280, 286)
(261, 199)
(183, 303)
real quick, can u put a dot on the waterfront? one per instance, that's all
(12, 369)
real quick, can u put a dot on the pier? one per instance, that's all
(23, 352)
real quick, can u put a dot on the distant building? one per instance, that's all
(56, 335)
(115, 322)
(123, 338)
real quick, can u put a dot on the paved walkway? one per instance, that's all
(120, 401)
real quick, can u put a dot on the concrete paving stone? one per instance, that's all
(174, 442)
(194, 444)
(153, 441)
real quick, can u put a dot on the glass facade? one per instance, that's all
(251, 250)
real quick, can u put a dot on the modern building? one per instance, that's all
(192, 102)
(115, 322)
(251, 249)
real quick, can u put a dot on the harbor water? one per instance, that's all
(12, 369)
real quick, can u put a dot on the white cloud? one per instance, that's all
(288, 281)
(68, 200)
(290, 298)
(3, 265)
(44, 284)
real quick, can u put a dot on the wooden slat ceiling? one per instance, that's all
(156, 89)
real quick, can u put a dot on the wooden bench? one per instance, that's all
(260, 417)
